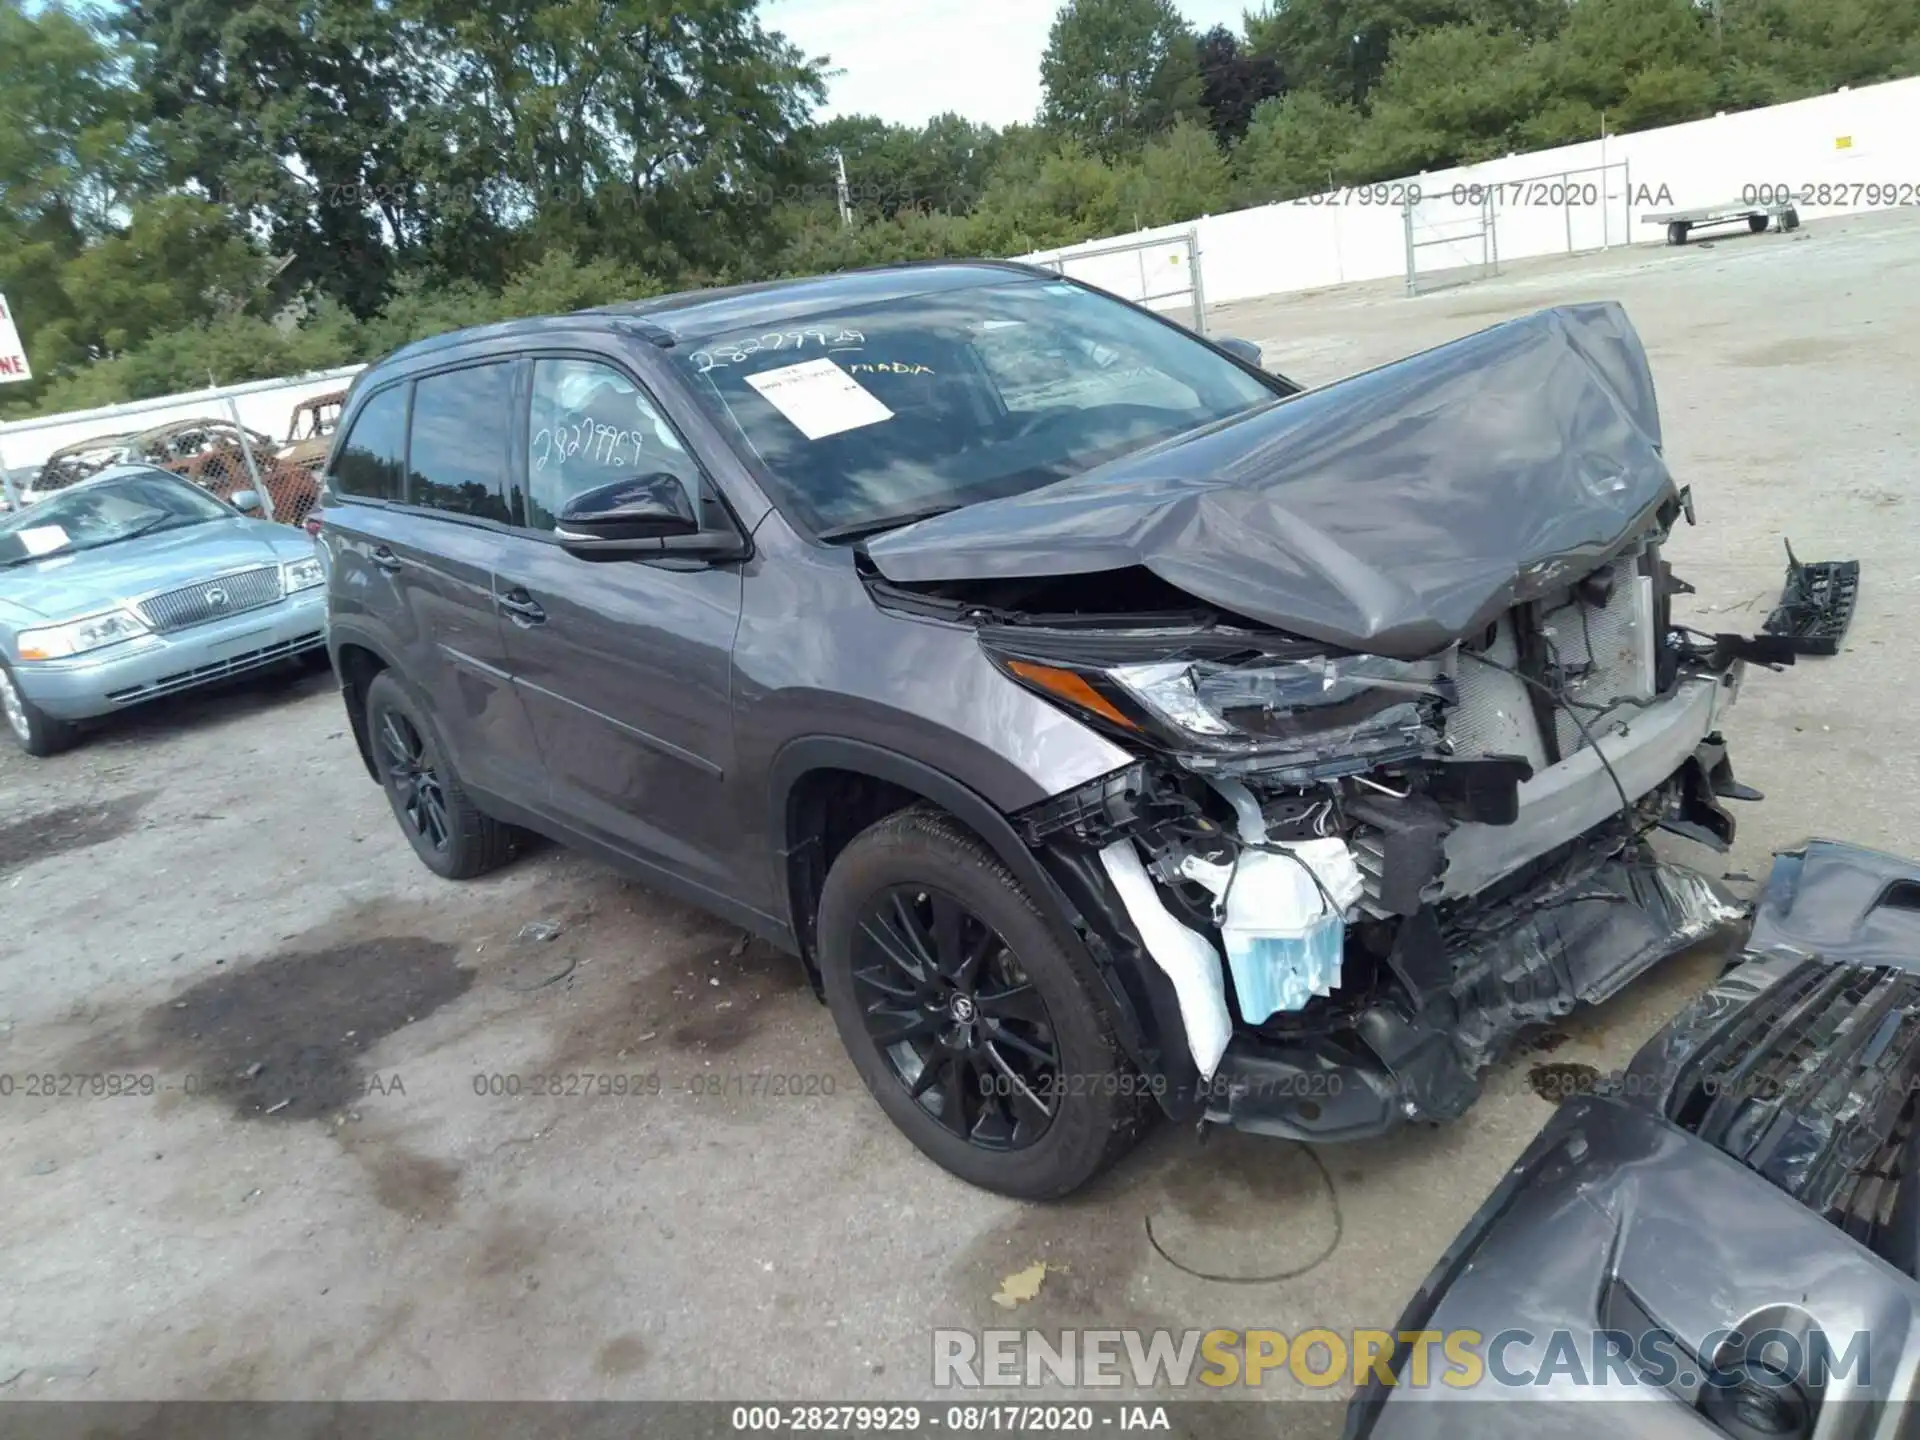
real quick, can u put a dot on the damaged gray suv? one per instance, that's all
(1110, 727)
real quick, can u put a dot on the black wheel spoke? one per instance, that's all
(1041, 1055)
(1022, 1099)
(897, 951)
(949, 922)
(914, 935)
(878, 979)
(955, 1082)
(395, 739)
(930, 1072)
(984, 944)
(1019, 1002)
(436, 806)
(902, 1025)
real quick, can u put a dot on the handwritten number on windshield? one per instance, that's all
(736, 352)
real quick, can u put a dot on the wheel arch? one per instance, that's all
(804, 780)
(356, 660)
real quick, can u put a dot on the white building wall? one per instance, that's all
(1869, 136)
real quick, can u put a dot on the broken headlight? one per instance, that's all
(1319, 714)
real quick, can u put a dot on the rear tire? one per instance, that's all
(1758, 223)
(1003, 1068)
(1677, 232)
(32, 729)
(446, 829)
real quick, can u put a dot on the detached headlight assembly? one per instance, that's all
(302, 574)
(1325, 714)
(77, 637)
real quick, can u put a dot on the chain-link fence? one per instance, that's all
(277, 480)
(1458, 234)
(269, 437)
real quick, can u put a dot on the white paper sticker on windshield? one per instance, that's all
(820, 398)
(42, 539)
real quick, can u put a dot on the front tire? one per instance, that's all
(447, 831)
(33, 730)
(986, 1042)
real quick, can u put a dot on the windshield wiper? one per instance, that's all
(860, 529)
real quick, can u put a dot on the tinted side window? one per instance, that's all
(462, 424)
(371, 460)
(591, 426)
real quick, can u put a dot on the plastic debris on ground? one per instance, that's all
(1817, 605)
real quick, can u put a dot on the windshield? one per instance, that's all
(884, 413)
(104, 512)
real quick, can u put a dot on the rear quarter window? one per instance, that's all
(371, 462)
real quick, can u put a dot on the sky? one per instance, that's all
(909, 60)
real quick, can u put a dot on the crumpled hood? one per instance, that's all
(1393, 512)
(62, 586)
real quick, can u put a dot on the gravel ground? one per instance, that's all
(211, 897)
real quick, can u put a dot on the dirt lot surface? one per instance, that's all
(211, 898)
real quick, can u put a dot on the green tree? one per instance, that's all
(941, 166)
(1296, 145)
(1233, 82)
(70, 158)
(1180, 175)
(1342, 47)
(305, 117)
(1068, 195)
(1450, 95)
(1644, 62)
(655, 131)
(177, 263)
(1118, 71)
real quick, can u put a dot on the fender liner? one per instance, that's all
(1146, 1013)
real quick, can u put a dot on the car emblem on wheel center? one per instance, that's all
(962, 1008)
(216, 597)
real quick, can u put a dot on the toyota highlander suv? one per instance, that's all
(1109, 726)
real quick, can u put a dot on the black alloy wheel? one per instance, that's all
(450, 834)
(959, 1022)
(980, 1032)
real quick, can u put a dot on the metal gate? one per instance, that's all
(1162, 274)
(1458, 235)
(1449, 241)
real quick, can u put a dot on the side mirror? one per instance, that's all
(1241, 350)
(648, 507)
(245, 501)
(646, 515)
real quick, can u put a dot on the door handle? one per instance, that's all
(385, 558)
(524, 609)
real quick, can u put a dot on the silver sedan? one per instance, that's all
(135, 584)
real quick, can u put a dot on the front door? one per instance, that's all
(625, 666)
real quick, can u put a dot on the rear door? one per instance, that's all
(626, 666)
(416, 553)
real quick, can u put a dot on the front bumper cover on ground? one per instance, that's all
(1752, 1173)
